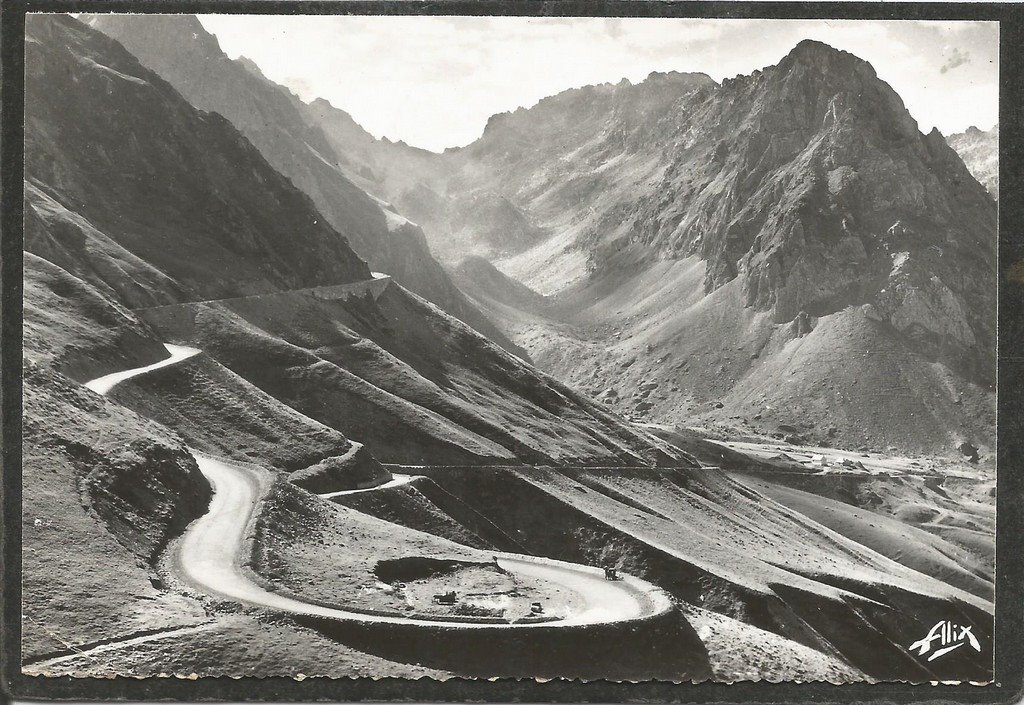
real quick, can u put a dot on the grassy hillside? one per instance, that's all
(157, 201)
(718, 545)
(103, 488)
(412, 383)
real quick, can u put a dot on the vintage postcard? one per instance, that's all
(443, 347)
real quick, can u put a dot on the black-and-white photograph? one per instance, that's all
(598, 348)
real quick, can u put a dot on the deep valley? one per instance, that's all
(677, 380)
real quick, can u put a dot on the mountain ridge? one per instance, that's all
(980, 151)
(178, 48)
(253, 245)
(805, 186)
(311, 374)
(363, 338)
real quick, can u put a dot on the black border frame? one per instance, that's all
(1009, 648)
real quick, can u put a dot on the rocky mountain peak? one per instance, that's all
(816, 83)
(838, 69)
(979, 150)
(586, 109)
(322, 104)
(811, 52)
(823, 161)
(324, 112)
(677, 81)
(804, 182)
(251, 66)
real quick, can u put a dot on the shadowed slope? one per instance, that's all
(179, 49)
(156, 187)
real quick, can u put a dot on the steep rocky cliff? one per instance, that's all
(804, 191)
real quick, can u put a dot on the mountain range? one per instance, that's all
(690, 244)
(784, 251)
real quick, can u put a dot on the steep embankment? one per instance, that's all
(587, 628)
(157, 202)
(105, 491)
(181, 51)
(218, 412)
(103, 488)
(252, 546)
(284, 555)
(716, 544)
(369, 365)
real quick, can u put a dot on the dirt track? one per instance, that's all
(397, 480)
(207, 558)
(209, 555)
(103, 385)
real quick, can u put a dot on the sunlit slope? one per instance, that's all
(412, 383)
(719, 545)
(906, 544)
(648, 342)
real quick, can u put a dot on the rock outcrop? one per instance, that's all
(802, 190)
(356, 468)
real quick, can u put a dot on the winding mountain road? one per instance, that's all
(397, 480)
(103, 385)
(210, 555)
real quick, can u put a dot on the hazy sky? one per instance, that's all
(434, 81)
